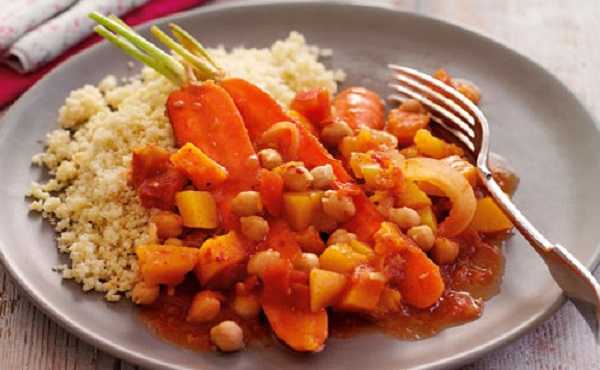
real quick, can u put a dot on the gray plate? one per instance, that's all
(536, 123)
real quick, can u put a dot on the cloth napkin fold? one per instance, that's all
(12, 83)
(19, 17)
(53, 37)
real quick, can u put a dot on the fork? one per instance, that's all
(465, 121)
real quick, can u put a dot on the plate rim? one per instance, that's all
(123, 352)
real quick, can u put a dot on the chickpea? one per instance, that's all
(404, 217)
(205, 307)
(259, 261)
(323, 176)
(306, 262)
(254, 228)
(444, 251)
(168, 224)
(144, 293)
(296, 177)
(412, 106)
(246, 306)
(337, 206)
(152, 233)
(468, 89)
(247, 203)
(270, 158)
(227, 336)
(174, 241)
(333, 133)
(423, 236)
(341, 236)
(383, 201)
(381, 138)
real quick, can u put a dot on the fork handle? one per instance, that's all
(526, 228)
(567, 271)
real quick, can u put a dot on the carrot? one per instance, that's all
(281, 239)
(367, 219)
(270, 187)
(286, 305)
(422, 285)
(418, 278)
(206, 116)
(404, 123)
(258, 108)
(260, 112)
(301, 120)
(358, 107)
(314, 104)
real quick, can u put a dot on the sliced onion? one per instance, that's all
(452, 184)
(274, 135)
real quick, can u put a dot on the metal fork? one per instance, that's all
(465, 121)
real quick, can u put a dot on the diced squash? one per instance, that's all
(218, 255)
(358, 161)
(197, 208)
(390, 301)
(364, 292)
(434, 147)
(428, 217)
(410, 151)
(341, 258)
(301, 208)
(372, 173)
(203, 171)
(325, 288)
(168, 224)
(489, 217)
(362, 248)
(165, 264)
(367, 139)
(412, 196)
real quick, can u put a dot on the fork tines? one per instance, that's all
(448, 107)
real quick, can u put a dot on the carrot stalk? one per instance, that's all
(159, 56)
(203, 70)
(191, 44)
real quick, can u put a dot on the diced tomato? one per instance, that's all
(146, 162)
(270, 187)
(159, 191)
(314, 104)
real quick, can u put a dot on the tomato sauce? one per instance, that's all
(473, 278)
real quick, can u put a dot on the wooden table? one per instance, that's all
(560, 35)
